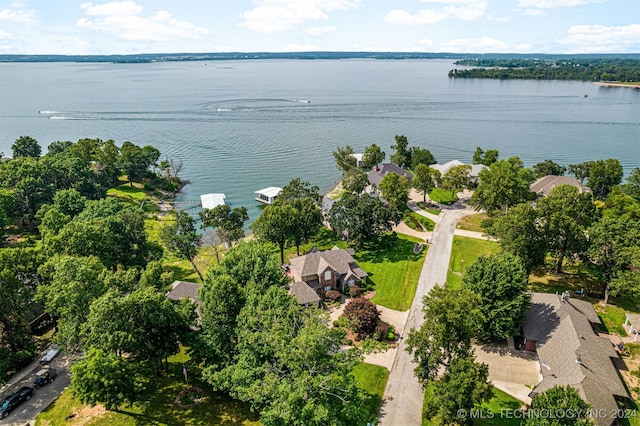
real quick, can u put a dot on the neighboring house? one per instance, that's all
(543, 186)
(358, 158)
(304, 294)
(333, 269)
(181, 289)
(378, 173)
(562, 331)
(473, 174)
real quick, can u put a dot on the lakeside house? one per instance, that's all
(473, 174)
(542, 187)
(322, 271)
(268, 195)
(210, 201)
(379, 172)
(304, 294)
(564, 334)
(185, 289)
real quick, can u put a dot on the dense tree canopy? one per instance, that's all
(421, 156)
(501, 282)
(487, 157)
(227, 222)
(182, 238)
(504, 184)
(395, 190)
(276, 224)
(548, 167)
(26, 146)
(402, 152)
(456, 178)
(345, 160)
(372, 156)
(425, 179)
(363, 316)
(559, 406)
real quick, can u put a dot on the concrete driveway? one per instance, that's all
(42, 397)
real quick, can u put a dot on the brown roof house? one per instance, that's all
(378, 173)
(304, 294)
(333, 269)
(181, 289)
(562, 331)
(543, 186)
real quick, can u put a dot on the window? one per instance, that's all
(351, 282)
(327, 275)
(327, 288)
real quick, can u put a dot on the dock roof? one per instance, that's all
(210, 201)
(270, 192)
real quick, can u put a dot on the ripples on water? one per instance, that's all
(262, 123)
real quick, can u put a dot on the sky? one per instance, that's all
(172, 26)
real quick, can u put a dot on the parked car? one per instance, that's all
(44, 376)
(12, 401)
(50, 354)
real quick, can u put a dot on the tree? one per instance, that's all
(456, 178)
(564, 217)
(501, 282)
(487, 158)
(425, 179)
(133, 161)
(548, 167)
(69, 202)
(559, 406)
(104, 378)
(632, 185)
(402, 154)
(452, 319)
(362, 218)
(519, 233)
(355, 180)
(286, 365)
(421, 156)
(464, 386)
(395, 190)
(181, 238)
(603, 176)
(26, 146)
(298, 189)
(363, 316)
(71, 285)
(276, 224)
(372, 156)
(154, 276)
(228, 223)
(254, 262)
(305, 199)
(581, 170)
(502, 185)
(345, 160)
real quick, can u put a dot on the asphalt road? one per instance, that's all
(26, 412)
(402, 401)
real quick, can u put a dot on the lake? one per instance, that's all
(239, 126)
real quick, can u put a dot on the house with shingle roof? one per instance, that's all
(563, 333)
(379, 172)
(473, 174)
(333, 269)
(542, 187)
(304, 294)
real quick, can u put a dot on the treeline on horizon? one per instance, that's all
(586, 69)
(222, 56)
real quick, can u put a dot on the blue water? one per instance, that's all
(239, 126)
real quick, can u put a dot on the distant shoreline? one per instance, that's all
(616, 84)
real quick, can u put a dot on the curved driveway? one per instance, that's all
(402, 402)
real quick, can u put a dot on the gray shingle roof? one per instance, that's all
(545, 184)
(181, 289)
(303, 293)
(376, 176)
(316, 263)
(571, 353)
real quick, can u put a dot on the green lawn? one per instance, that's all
(158, 407)
(393, 271)
(465, 251)
(440, 195)
(132, 193)
(373, 379)
(473, 222)
(612, 318)
(412, 219)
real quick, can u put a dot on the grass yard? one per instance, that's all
(373, 379)
(127, 192)
(573, 277)
(441, 195)
(325, 240)
(394, 272)
(465, 251)
(414, 220)
(157, 408)
(612, 317)
(473, 222)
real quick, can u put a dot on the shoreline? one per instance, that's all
(616, 84)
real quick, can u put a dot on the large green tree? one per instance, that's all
(227, 222)
(305, 199)
(402, 152)
(565, 216)
(504, 184)
(345, 160)
(501, 282)
(425, 179)
(548, 167)
(559, 406)
(372, 156)
(133, 161)
(355, 180)
(487, 157)
(182, 238)
(276, 224)
(603, 176)
(421, 156)
(395, 190)
(362, 218)
(632, 184)
(452, 319)
(26, 146)
(456, 178)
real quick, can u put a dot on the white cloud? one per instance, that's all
(462, 10)
(602, 39)
(548, 4)
(425, 42)
(274, 16)
(530, 11)
(474, 45)
(5, 35)
(122, 20)
(320, 31)
(500, 19)
(25, 17)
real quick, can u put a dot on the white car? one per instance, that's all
(50, 354)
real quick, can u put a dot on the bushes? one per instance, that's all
(355, 291)
(332, 295)
(363, 316)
